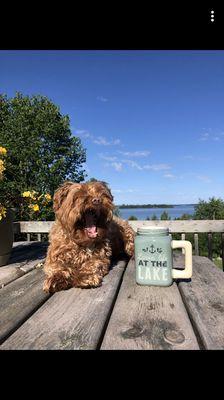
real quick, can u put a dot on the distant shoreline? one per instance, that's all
(123, 206)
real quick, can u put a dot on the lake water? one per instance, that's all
(142, 213)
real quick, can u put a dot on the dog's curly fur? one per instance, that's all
(85, 237)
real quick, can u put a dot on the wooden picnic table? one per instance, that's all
(120, 315)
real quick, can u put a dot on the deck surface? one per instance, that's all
(119, 315)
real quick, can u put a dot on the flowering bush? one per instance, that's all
(27, 205)
(36, 204)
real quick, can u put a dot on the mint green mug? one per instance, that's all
(154, 259)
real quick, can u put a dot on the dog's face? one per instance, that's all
(84, 210)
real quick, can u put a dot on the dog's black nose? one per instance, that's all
(96, 200)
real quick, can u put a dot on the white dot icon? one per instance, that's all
(212, 15)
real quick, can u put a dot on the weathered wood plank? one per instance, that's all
(32, 226)
(30, 265)
(183, 238)
(210, 246)
(70, 319)
(222, 241)
(21, 244)
(22, 260)
(184, 226)
(204, 299)
(28, 250)
(19, 299)
(148, 317)
(196, 248)
(9, 273)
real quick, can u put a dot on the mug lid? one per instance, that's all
(150, 229)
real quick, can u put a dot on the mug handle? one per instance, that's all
(187, 272)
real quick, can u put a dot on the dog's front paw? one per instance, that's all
(89, 281)
(56, 282)
(103, 269)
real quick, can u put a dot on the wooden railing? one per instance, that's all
(182, 227)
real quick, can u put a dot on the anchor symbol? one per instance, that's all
(153, 249)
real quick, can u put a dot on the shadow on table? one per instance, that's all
(31, 251)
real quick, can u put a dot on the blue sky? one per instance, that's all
(152, 122)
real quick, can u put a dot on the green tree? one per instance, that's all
(165, 216)
(132, 218)
(184, 216)
(212, 209)
(154, 217)
(41, 151)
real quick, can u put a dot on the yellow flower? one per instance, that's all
(32, 195)
(3, 151)
(47, 196)
(2, 168)
(36, 207)
(26, 194)
(2, 212)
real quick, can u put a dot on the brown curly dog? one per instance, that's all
(85, 237)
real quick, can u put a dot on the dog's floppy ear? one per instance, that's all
(60, 194)
(108, 190)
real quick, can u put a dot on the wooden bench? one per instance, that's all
(188, 315)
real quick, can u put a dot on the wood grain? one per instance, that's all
(24, 258)
(70, 319)
(203, 296)
(184, 226)
(28, 251)
(32, 226)
(9, 273)
(196, 247)
(19, 299)
(148, 318)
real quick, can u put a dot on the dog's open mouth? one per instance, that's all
(90, 219)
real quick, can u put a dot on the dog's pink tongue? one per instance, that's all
(91, 231)
(90, 226)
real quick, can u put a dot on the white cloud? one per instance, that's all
(169, 176)
(100, 140)
(195, 158)
(116, 141)
(144, 153)
(117, 191)
(188, 157)
(153, 167)
(107, 158)
(204, 178)
(103, 141)
(211, 136)
(204, 136)
(117, 166)
(132, 164)
(157, 167)
(124, 190)
(83, 133)
(101, 98)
